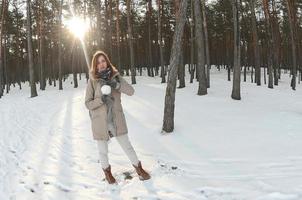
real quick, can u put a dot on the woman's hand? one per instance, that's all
(106, 99)
(114, 84)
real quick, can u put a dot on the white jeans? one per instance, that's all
(123, 140)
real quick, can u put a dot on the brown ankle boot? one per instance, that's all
(142, 174)
(109, 176)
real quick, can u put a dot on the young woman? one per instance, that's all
(103, 100)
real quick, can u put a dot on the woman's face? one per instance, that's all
(101, 63)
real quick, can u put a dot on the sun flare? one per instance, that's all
(78, 26)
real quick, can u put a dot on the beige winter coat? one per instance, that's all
(98, 109)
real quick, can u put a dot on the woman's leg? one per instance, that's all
(103, 152)
(123, 140)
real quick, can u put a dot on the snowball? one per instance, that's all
(106, 89)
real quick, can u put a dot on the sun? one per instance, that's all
(78, 26)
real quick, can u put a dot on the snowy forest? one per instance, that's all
(210, 89)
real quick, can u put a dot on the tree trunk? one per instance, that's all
(6, 68)
(33, 90)
(119, 67)
(86, 54)
(255, 44)
(202, 88)
(269, 40)
(130, 39)
(181, 70)
(236, 66)
(192, 71)
(109, 28)
(19, 50)
(160, 42)
(206, 37)
(3, 14)
(229, 72)
(292, 25)
(74, 64)
(168, 121)
(276, 42)
(60, 46)
(41, 46)
(98, 22)
(243, 56)
(108, 16)
(149, 8)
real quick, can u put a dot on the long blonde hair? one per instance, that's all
(93, 66)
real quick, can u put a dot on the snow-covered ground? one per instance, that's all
(220, 149)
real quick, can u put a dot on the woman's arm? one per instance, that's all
(91, 103)
(125, 87)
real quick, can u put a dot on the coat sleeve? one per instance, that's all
(125, 87)
(91, 103)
